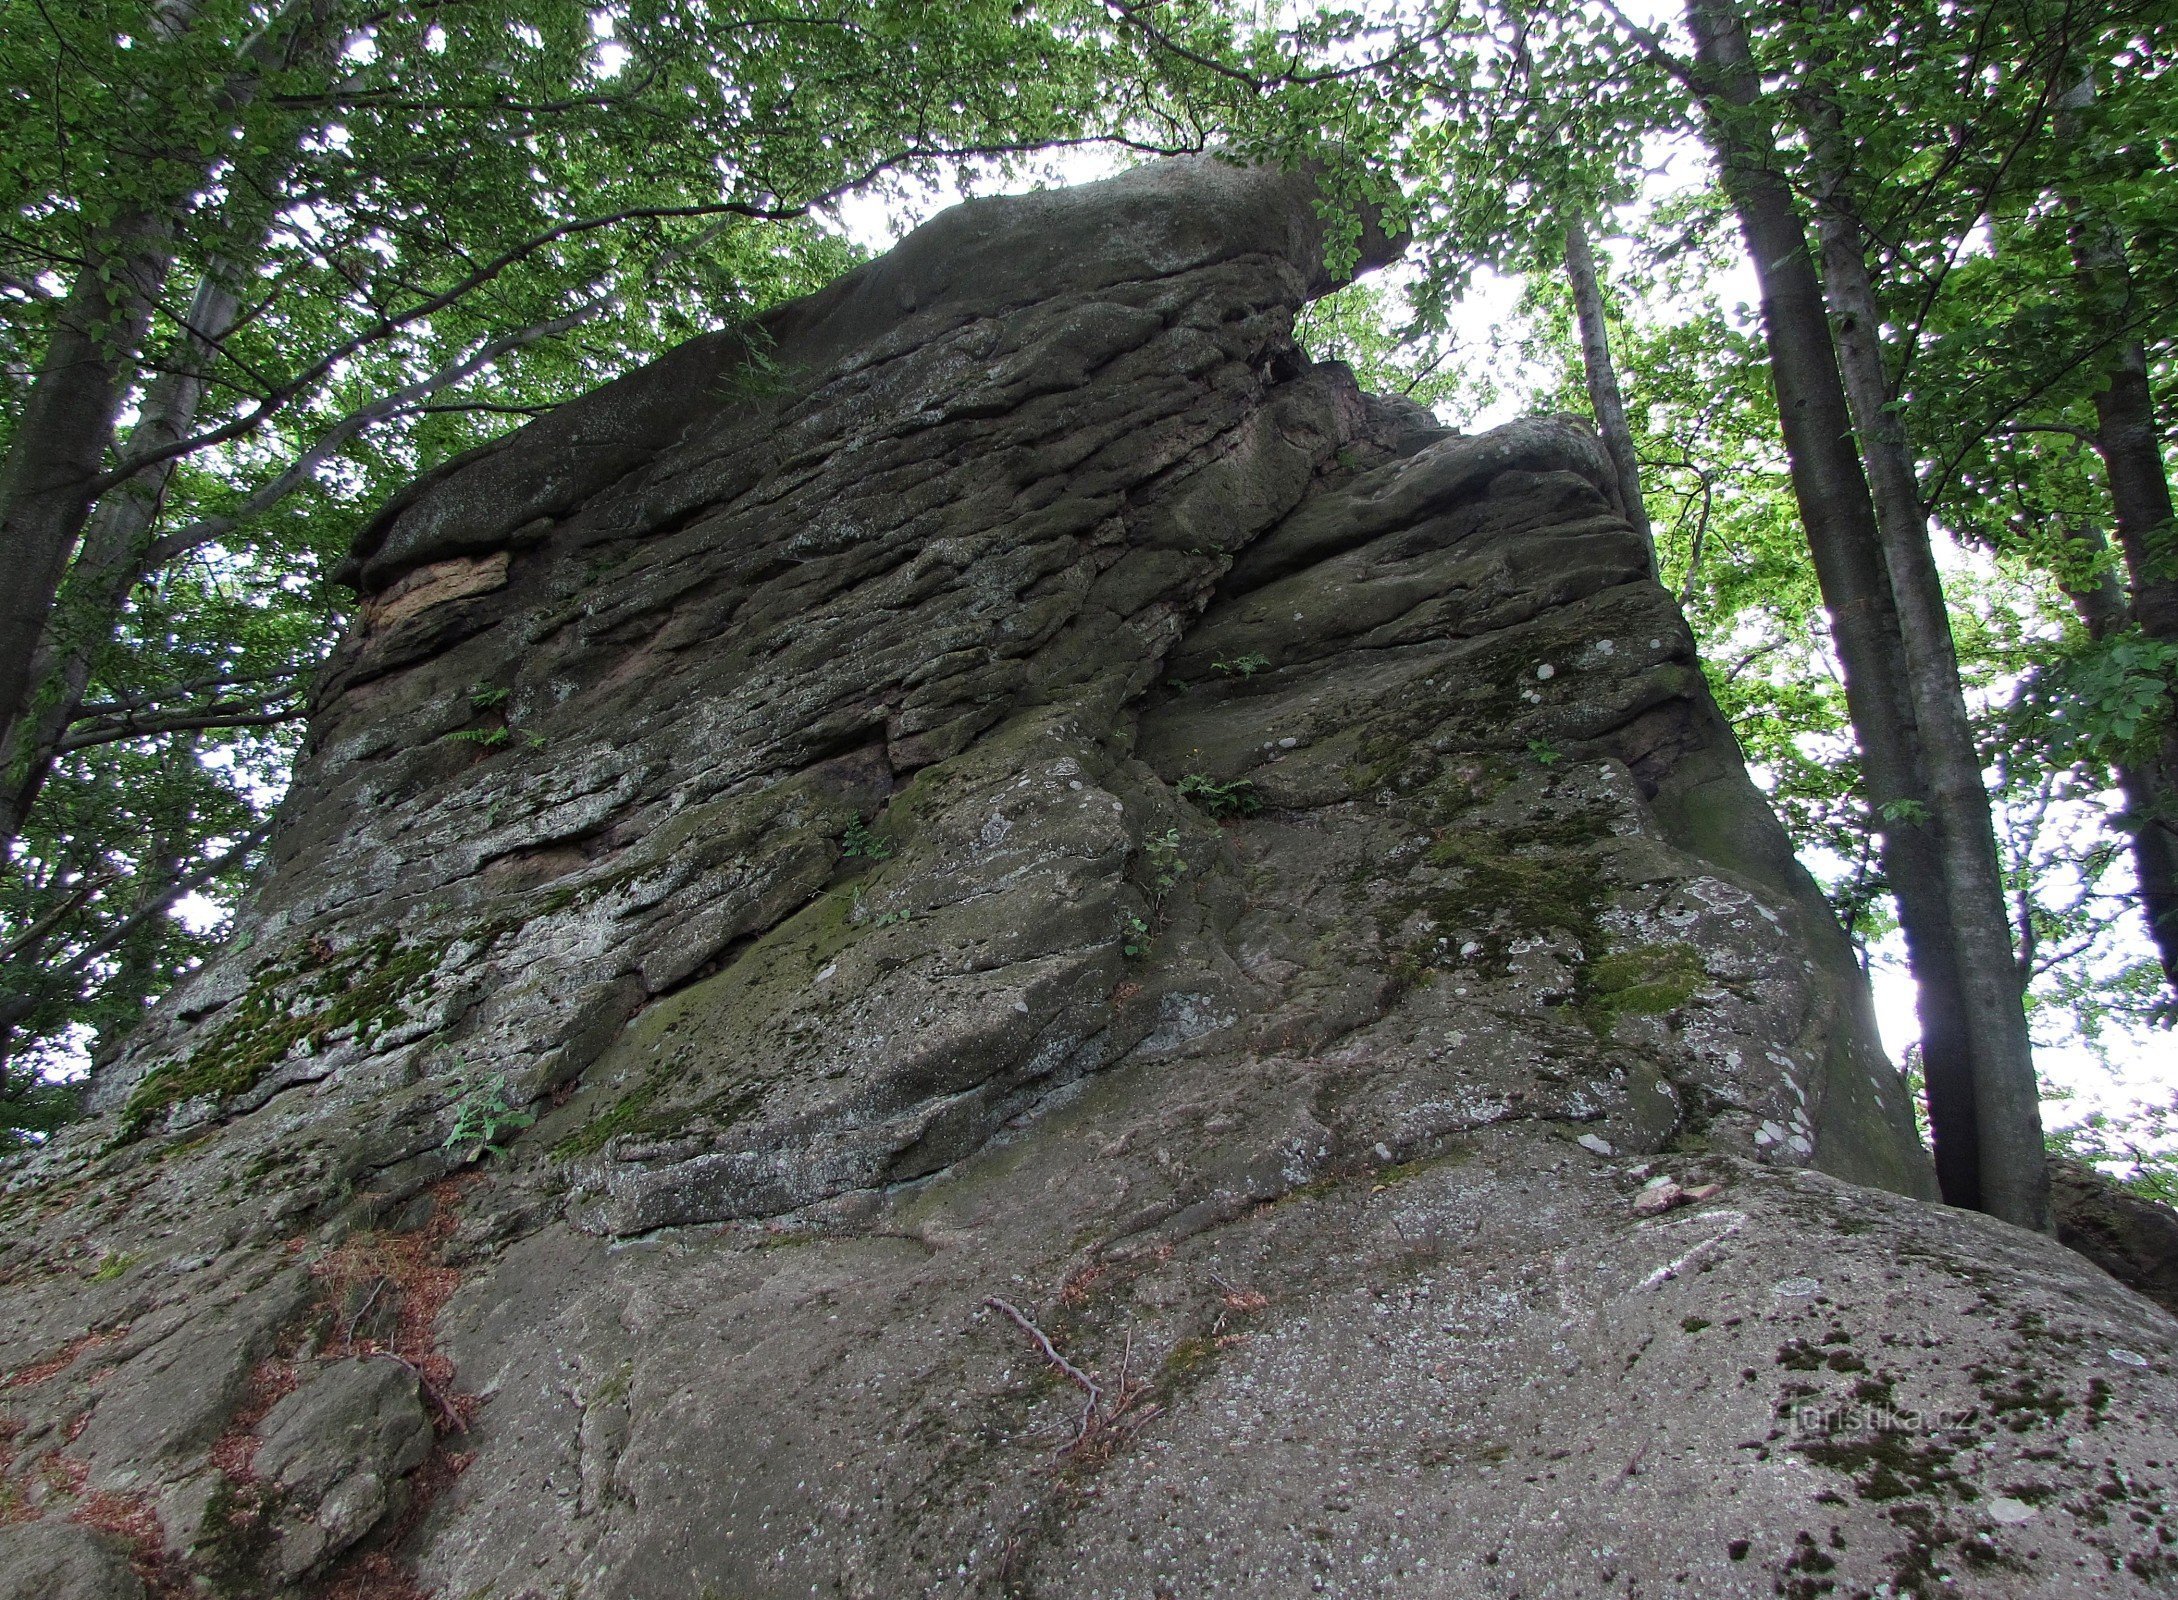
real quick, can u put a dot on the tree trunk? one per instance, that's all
(1602, 375)
(2132, 454)
(2128, 441)
(2151, 810)
(67, 423)
(1846, 545)
(110, 563)
(2006, 1095)
(60, 441)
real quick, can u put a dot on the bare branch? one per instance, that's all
(37, 933)
(1059, 1364)
(183, 540)
(2086, 436)
(129, 725)
(158, 905)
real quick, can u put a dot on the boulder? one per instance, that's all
(58, 1560)
(337, 1449)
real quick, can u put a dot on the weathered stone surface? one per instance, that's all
(2132, 1239)
(56, 1560)
(1034, 792)
(338, 1449)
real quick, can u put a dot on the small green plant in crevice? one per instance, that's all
(111, 1265)
(1545, 753)
(859, 843)
(483, 1118)
(1167, 866)
(487, 697)
(489, 738)
(1246, 666)
(1220, 800)
(1135, 937)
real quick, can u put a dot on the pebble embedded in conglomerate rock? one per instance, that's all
(1035, 813)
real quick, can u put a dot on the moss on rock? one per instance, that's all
(1647, 980)
(301, 1002)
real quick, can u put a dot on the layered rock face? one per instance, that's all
(993, 938)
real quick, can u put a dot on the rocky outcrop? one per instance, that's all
(993, 938)
(2132, 1238)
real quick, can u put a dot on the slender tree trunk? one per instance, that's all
(2151, 810)
(2132, 454)
(2125, 424)
(1846, 544)
(1602, 375)
(110, 563)
(2131, 448)
(2007, 1097)
(60, 442)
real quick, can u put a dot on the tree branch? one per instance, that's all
(128, 725)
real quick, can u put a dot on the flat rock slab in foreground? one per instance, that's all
(1032, 949)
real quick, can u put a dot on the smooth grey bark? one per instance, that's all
(2150, 807)
(1998, 1168)
(2125, 422)
(1602, 377)
(2007, 1096)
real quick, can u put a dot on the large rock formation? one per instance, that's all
(994, 938)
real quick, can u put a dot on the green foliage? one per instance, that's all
(1135, 937)
(1237, 798)
(2139, 1147)
(442, 221)
(483, 1118)
(1161, 853)
(2107, 700)
(492, 207)
(859, 843)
